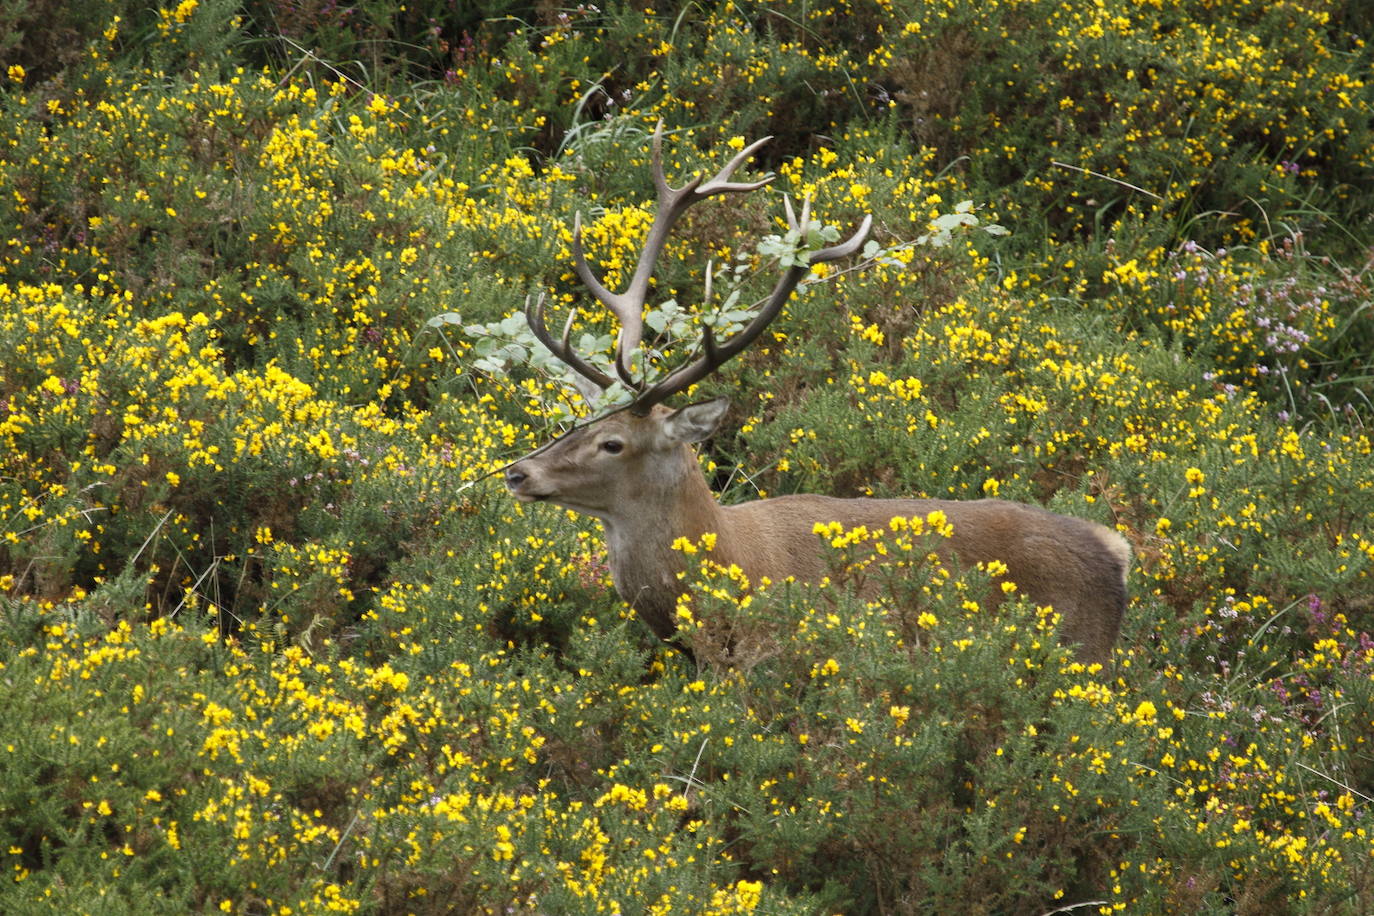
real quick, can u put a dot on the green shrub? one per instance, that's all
(275, 639)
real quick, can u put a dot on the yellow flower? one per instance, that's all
(830, 667)
(748, 894)
(16, 73)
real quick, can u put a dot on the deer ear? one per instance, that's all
(695, 422)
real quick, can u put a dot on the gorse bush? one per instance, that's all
(275, 640)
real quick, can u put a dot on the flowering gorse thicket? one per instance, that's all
(274, 640)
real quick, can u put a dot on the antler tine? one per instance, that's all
(584, 271)
(713, 355)
(627, 309)
(616, 302)
(534, 316)
(834, 252)
(847, 247)
(792, 222)
(720, 183)
(628, 306)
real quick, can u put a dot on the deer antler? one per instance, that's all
(628, 306)
(713, 355)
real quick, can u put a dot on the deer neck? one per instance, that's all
(678, 504)
(643, 562)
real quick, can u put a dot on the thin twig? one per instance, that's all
(343, 838)
(1075, 906)
(1124, 184)
(1334, 781)
(692, 776)
(152, 534)
(195, 587)
(324, 63)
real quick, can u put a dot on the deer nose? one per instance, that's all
(514, 478)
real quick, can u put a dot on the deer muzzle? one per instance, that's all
(522, 486)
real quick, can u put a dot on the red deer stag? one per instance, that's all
(636, 471)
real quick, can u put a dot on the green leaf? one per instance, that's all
(445, 318)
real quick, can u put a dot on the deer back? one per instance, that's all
(1077, 566)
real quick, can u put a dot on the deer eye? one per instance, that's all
(613, 446)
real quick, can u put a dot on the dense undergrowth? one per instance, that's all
(274, 640)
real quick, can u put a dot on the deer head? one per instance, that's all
(619, 462)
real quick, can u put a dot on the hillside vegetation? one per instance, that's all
(275, 640)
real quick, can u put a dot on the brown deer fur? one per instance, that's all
(639, 476)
